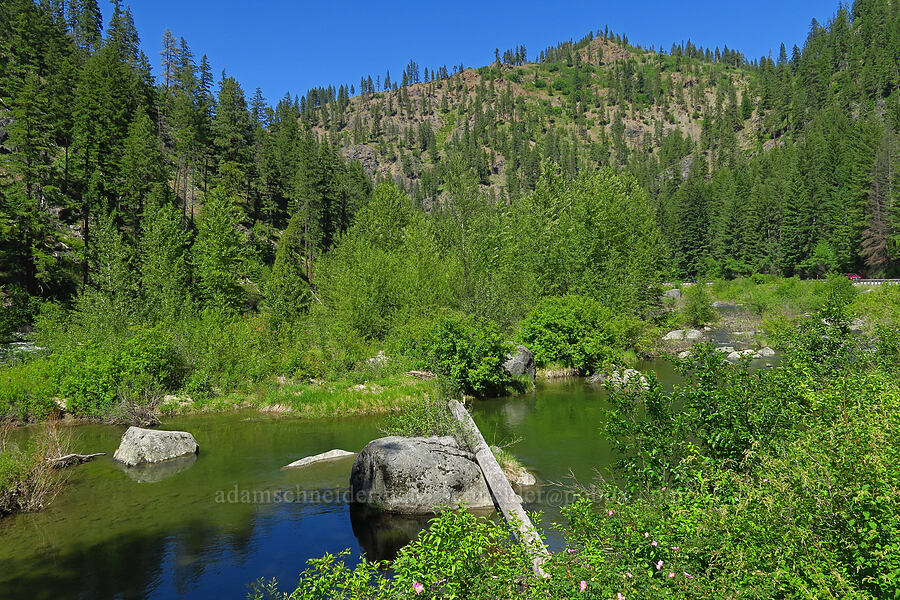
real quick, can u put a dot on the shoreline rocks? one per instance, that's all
(521, 362)
(140, 446)
(683, 334)
(622, 379)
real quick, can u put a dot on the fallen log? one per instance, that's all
(68, 460)
(504, 496)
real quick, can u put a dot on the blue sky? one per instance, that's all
(283, 46)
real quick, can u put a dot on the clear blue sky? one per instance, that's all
(283, 46)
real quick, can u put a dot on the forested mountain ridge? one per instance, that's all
(582, 105)
(830, 107)
(785, 165)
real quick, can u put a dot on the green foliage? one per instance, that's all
(469, 352)
(90, 375)
(18, 309)
(287, 289)
(88, 379)
(578, 332)
(461, 555)
(698, 310)
(219, 252)
(27, 390)
(430, 417)
(386, 269)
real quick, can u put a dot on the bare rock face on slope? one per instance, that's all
(139, 446)
(416, 475)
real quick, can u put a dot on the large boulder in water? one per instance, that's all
(521, 362)
(416, 475)
(140, 446)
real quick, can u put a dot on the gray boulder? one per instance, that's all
(140, 446)
(521, 362)
(766, 352)
(676, 293)
(740, 354)
(416, 475)
(675, 334)
(693, 334)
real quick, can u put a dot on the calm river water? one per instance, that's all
(206, 528)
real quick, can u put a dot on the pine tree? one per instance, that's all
(219, 252)
(165, 268)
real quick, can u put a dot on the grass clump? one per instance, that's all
(28, 480)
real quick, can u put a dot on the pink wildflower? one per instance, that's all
(671, 574)
(619, 596)
(676, 548)
(688, 575)
(653, 543)
(664, 488)
(659, 565)
(571, 550)
(646, 535)
(610, 513)
(582, 585)
(418, 588)
(629, 575)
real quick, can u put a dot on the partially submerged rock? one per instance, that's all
(740, 354)
(622, 379)
(140, 446)
(521, 362)
(416, 475)
(335, 454)
(766, 352)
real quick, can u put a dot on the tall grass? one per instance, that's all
(28, 479)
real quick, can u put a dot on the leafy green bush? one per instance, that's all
(578, 332)
(27, 390)
(90, 374)
(698, 310)
(469, 352)
(88, 378)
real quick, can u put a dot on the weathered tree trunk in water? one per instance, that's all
(72, 459)
(502, 491)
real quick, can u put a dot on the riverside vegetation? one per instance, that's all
(776, 482)
(170, 245)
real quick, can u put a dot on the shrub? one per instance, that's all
(469, 352)
(88, 379)
(698, 309)
(91, 376)
(27, 390)
(578, 332)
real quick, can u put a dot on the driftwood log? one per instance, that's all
(500, 488)
(68, 460)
